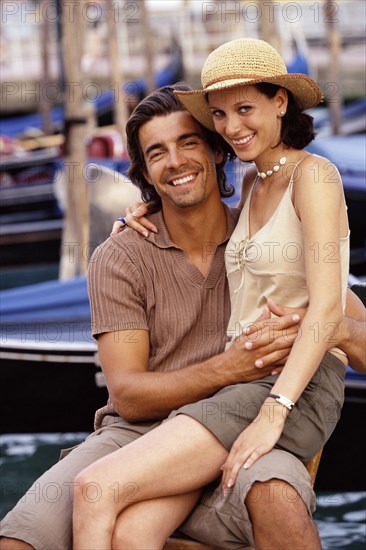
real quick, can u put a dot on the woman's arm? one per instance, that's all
(319, 201)
(320, 206)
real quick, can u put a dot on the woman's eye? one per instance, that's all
(217, 113)
(244, 109)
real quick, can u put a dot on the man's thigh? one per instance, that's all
(43, 516)
(224, 520)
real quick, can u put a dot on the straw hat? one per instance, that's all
(243, 62)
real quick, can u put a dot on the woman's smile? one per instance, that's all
(244, 140)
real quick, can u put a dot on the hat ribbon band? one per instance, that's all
(243, 77)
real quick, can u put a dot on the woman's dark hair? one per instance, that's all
(297, 129)
(163, 102)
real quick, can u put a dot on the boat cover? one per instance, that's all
(51, 312)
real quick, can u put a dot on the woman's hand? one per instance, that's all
(135, 218)
(256, 440)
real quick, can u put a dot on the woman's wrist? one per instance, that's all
(275, 411)
(282, 400)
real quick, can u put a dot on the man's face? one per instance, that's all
(179, 162)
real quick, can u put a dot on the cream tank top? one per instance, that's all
(271, 263)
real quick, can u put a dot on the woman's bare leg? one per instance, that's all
(148, 524)
(178, 457)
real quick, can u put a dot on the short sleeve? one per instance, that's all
(116, 289)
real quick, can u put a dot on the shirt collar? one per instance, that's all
(162, 238)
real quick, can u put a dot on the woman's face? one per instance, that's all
(248, 120)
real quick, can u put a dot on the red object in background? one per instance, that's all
(98, 147)
(106, 145)
(9, 146)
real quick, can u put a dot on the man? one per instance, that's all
(160, 308)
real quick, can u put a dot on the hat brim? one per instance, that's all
(304, 89)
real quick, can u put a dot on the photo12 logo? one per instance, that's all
(69, 10)
(255, 12)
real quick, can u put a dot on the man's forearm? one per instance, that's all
(138, 394)
(352, 342)
(352, 332)
(153, 395)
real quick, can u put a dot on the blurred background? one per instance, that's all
(71, 73)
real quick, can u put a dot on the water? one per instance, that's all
(341, 517)
(341, 520)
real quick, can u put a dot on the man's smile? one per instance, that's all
(184, 179)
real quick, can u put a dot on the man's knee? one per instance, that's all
(14, 544)
(274, 493)
(276, 498)
(268, 503)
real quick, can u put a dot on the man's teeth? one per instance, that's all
(183, 180)
(242, 141)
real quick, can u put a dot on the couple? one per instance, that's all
(161, 307)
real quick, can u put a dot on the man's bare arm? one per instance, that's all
(352, 332)
(138, 394)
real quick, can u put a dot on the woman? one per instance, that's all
(294, 226)
(294, 219)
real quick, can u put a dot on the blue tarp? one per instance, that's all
(46, 314)
(16, 126)
(348, 153)
(48, 301)
(299, 64)
(350, 111)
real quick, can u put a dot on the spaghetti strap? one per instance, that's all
(290, 185)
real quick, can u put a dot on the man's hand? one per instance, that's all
(279, 310)
(272, 337)
(268, 341)
(155, 394)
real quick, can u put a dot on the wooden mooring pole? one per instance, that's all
(333, 85)
(120, 106)
(74, 248)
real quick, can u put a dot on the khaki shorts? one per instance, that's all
(43, 516)
(224, 521)
(308, 426)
